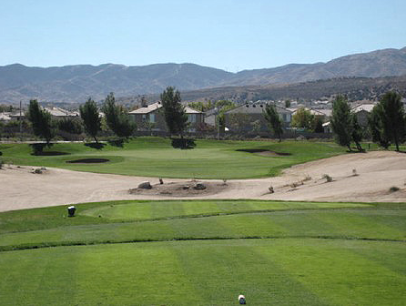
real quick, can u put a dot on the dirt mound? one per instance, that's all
(88, 161)
(182, 189)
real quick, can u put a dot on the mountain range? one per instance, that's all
(78, 82)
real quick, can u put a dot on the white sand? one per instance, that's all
(377, 172)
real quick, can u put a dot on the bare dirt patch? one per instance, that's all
(182, 189)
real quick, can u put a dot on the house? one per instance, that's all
(249, 117)
(323, 113)
(327, 127)
(210, 116)
(362, 111)
(5, 117)
(151, 118)
(60, 113)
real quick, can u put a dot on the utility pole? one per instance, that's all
(21, 125)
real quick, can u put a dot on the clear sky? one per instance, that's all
(228, 34)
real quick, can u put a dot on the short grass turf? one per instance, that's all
(205, 253)
(267, 272)
(153, 156)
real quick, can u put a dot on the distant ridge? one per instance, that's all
(76, 83)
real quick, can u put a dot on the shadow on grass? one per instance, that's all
(88, 161)
(38, 150)
(95, 145)
(183, 144)
(263, 151)
(117, 143)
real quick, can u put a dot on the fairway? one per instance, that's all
(200, 252)
(205, 253)
(152, 156)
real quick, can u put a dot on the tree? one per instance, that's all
(117, 119)
(357, 133)
(318, 124)
(224, 104)
(392, 117)
(174, 112)
(303, 118)
(70, 125)
(41, 121)
(378, 133)
(288, 103)
(221, 123)
(274, 121)
(341, 122)
(91, 118)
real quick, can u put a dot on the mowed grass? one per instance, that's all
(205, 253)
(268, 272)
(153, 156)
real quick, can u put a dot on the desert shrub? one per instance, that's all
(307, 178)
(393, 189)
(328, 178)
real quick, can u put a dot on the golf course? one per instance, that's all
(150, 156)
(200, 251)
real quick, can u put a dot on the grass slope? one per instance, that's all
(205, 253)
(149, 156)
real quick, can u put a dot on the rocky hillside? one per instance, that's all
(77, 83)
(381, 63)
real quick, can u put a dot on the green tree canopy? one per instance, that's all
(91, 118)
(117, 118)
(70, 125)
(303, 118)
(378, 133)
(41, 121)
(174, 112)
(341, 122)
(273, 120)
(392, 117)
(357, 133)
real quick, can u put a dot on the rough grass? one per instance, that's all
(205, 253)
(148, 156)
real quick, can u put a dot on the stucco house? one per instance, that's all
(151, 118)
(249, 117)
(60, 113)
(362, 111)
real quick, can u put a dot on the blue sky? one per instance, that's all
(228, 34)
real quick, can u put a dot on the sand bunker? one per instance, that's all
(375, 174)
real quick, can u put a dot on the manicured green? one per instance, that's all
(152, 156)
(205, 253)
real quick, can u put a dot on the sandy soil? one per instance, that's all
(376, 172)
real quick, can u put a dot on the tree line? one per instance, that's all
(116, 119)
(386, 123)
